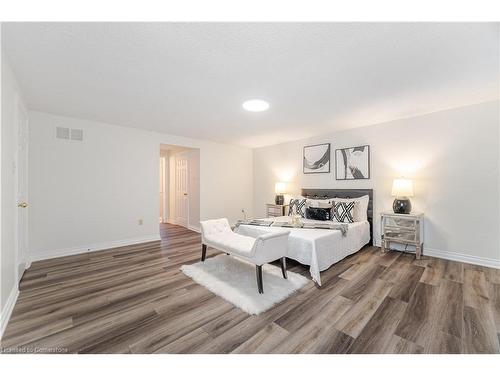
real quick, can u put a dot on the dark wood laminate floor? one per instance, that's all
(134, 299)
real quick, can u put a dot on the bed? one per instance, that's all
(320, 248)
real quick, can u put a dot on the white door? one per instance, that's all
(181, 190)
(22, 190)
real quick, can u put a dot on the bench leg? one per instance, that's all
(258, 270)
(418, 251)
(283, 267)
(203, 252)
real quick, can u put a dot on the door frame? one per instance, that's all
(165, 182)
(25, 256)
(162, 189)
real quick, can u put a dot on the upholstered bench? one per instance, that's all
(264, 249)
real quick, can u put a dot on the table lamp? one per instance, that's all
(402, 189)
(279, 189)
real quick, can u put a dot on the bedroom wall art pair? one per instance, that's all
(352, 163)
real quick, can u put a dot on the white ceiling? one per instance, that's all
(190, 78)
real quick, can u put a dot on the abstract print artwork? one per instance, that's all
(317, 158)
(352, 163)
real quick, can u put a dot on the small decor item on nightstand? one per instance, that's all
(279, 189)
(402, 189)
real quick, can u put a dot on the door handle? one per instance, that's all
(22, 205)
(185, 194)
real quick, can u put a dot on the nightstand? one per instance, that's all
(406, 229)
(275, 210)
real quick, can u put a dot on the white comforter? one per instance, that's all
(318, 248)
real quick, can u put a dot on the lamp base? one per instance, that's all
(280, 199)
(401, 206)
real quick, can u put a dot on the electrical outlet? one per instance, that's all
(140, 222)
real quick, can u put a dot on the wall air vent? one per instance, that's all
(62, 133)
(67, 133)
(77, 134)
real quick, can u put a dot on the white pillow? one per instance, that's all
(360, 208)
(319, 203)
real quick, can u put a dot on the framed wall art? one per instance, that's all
(317, 158)
(352, 163)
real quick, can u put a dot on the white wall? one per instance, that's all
(10, 96)
(451, 155)
(91, 194)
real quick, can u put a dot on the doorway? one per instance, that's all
(179, 190)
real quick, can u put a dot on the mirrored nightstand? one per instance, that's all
(406, 229)
(275, 210)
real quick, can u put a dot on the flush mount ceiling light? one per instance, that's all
(255, 105)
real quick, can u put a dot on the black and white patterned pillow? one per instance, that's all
(343, 212)
(297, 207)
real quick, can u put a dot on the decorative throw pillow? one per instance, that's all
(360, 208)
(343, 212)
(297, 207)
(316, 213)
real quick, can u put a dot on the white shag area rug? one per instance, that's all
(234, 280)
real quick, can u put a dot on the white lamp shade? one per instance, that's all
(280, 188)
(402, 187)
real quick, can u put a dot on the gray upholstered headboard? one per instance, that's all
(344, 193)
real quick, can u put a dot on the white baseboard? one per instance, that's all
(42, 255)
(465, 258)
(194, 229)
(459, 257)
(189, 226)
(8, 308)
